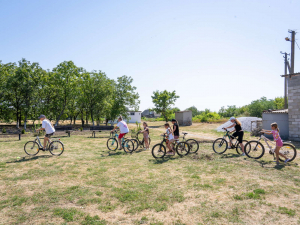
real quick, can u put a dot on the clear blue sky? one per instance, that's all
(213, 53)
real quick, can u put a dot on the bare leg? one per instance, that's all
(120, 143)
(45, 142)
(278, 153)
(242, 146)
(146, 142)
(230, 142)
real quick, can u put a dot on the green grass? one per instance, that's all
(90, 185)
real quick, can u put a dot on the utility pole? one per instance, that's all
(286, 65)
(292, 40)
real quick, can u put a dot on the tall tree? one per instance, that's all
(163, 102)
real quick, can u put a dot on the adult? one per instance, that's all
(123, 130)
(238, 132)
(48, 127)
(175, 128)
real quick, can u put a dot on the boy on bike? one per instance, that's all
(123, 130)
(48, 127)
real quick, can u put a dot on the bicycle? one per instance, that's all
(257, 149)
(113, 143)
(33, 147)
(220, 145)
(137, 142)
(159, 150)
(194, 145)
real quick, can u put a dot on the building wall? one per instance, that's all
(294, 106)
(282, 119)
(184, 118)
(135, 118)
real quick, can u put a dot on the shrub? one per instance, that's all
(81, 128)
(3, 130)
(23, 131)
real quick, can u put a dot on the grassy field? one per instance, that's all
(90, 185)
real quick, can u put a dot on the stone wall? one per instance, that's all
(294, 106)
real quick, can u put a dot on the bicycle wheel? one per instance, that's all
(128, 146)
(112, 144)
(220, 145)
(254, 149)
(289, 151)
(238, 148)
(183, 148)
(194, 145)
(136, 144)
(31, 148)
(56, 148)
(158, 151)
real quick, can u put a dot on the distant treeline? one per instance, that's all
(67, 91)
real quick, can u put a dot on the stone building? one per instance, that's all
(184, 118)
(294, 106)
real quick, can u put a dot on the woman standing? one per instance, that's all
(238, 132)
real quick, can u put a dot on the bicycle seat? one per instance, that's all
(184, 133)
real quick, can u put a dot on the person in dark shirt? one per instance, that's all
(238, 132)
(175, 128)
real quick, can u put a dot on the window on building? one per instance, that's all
(131, 113)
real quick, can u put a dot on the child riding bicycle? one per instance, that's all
(48, 127)
(123, 130)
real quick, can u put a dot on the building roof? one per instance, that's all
(183, 111)
(276, 111)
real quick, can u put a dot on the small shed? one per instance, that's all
(184, 118)
(281, 117)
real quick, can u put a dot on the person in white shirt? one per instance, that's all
(170, 140)
(48, 127)
(123, 130)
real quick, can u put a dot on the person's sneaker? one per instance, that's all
(287, 160)
(243, 154)
(229, 147)
(145, 148)
(277, 163)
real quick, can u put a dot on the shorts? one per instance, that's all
(121, 135)
(176, 137)
(49, 135)
(146, 136)
(240, 135)
(279, 143)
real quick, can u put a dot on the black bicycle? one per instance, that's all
(159, 150)
(220, 145)
(54, 147)
(137, 142)
(194, 145)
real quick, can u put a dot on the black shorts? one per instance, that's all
(49, 135)
(240, 135)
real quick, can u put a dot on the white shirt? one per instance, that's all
(169, 133)
(123, 127)
(48, 127)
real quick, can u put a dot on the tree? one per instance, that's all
(163, 102)
(195, 111)
(258, 106)
(279, 103)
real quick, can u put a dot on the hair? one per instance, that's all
(167, 124)
(275, 125)
(238, 122)
(175, 122)
(146, 124)
(120, 118)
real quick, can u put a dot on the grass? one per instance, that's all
(89, 185)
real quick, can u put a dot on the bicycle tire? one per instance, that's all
(56, 148)
(239, 149)
(254, 149)
(194, 145)
(158, 151)
(218, 143)
(289, 151)
(136, 143)
(128, 146)
(112, 144)
(183, 148)
(34, 150)
(149, 140)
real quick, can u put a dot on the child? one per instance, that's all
(277, 139)
(146, 135)
(170, 139)
(48, 127)
(175, 129)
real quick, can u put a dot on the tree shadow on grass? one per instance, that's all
(161, 126)
(163, 160)
(98, 137)
(113, 153)
(230, 155)
(29, 158)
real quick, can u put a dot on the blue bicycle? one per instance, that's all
(113, 143)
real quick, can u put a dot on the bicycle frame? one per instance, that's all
(267, 142)
(229, 137)
(116, 137)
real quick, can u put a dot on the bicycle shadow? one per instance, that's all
(28, 158)
(230, 156)
(272, 165)
(114, 153)
(163, 160)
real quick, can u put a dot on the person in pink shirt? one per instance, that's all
(277, 139)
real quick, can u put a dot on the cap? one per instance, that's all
(232, 118)
(42, 116)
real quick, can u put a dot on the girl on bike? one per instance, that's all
(123, 130)
(238, 132)
(48, 127)
(277, 139)
(170, 139)
(175, 129)
(146, 135)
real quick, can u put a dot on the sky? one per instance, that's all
(212, 53)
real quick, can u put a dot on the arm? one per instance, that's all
(116, 127)
(174, 129)
(267, 132)
(229, 126)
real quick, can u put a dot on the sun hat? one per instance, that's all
(42, 116)
(232, 118)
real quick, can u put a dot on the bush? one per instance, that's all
(23, 131)
(3, 130)
(207, 117)
(81, 128)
